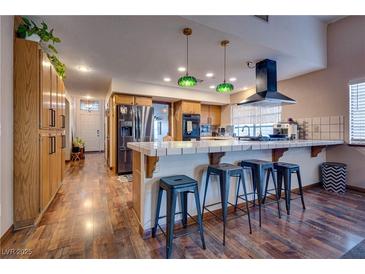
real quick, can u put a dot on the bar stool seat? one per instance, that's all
(284, 171)
(225, 171)
(178, 185)
(258, 169)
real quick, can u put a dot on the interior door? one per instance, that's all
(90, 129)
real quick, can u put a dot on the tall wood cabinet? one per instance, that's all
(39, 122)
(180, 108)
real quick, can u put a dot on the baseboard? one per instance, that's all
(356, 188)
(147, 233)
(6, 235)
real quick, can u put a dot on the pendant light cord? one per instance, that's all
(187, 55)
(225, 61)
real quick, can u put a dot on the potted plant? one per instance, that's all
(29, 30)
(78, 145)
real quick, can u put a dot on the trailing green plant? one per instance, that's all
(78, 142)
(58, 65)
(47, 41)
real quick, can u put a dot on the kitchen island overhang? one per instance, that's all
(153, 160)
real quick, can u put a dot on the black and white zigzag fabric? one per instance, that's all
(334, 177)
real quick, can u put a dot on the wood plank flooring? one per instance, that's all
(91, 218)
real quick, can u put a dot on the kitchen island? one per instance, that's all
(153, 160)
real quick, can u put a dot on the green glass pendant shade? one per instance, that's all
(224, 87)
(187, 81)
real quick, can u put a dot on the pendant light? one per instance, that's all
(187, 80)
(224, 87)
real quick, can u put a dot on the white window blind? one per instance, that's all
(251, 114)
(357, 113)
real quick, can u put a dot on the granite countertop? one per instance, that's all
(209, 146)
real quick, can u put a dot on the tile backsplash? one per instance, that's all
(321, 128)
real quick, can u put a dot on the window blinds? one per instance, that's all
(357, 113)
(253, 114)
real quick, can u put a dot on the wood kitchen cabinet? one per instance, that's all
(126, 99)
(38, 104)
(180, 108)
(123, 99)
(61, 106)
(142, 101)
(210, 114)
(46, 113)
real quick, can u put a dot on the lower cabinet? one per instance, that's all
(51, 167)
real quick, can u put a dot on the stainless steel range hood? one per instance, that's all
(266, 86)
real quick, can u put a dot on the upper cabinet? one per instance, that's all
(210, 114)
(46, 111)
(142, 101)
(126, 99)
(190, 107)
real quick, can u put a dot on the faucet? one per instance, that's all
(248, 130)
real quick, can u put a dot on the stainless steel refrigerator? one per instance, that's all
(135, 124)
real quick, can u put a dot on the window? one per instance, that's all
(89, 105)
(357, 113)
(251, 120)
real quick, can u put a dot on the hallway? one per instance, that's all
(91, 218)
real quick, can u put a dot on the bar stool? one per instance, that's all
(225, 171)
(258, 169)
(285, 170)
(174, 186)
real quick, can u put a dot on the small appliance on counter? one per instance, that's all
(286, 129)
(221, 131)
(205, 130)
(191, 127)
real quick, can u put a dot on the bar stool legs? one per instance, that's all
(170, 221)
(284, 171)
(241, 179)
(224, 189)
(179, 185)
(225, 172)
(200, 217)
(159, 198)
(300, 188)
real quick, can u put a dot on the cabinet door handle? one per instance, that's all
(63, 121)
(51, 116)
(50, 138)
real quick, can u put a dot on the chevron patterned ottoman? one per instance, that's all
(333, 177)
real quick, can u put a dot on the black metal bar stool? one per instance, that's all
(174, 186)
(259, 168)
(225, 171)
(285, 170)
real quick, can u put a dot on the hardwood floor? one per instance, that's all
(91, 218)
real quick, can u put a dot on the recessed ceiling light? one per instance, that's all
(83, 68)
(167, 79)
(232, 79)
(209, 74)
(181, 69)
(88, 97)
(212, 87)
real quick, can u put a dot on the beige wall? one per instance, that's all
(6, 115)
(325, 92)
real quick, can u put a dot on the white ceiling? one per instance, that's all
(146, 49)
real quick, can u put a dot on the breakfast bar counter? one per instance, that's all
(153, 160)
